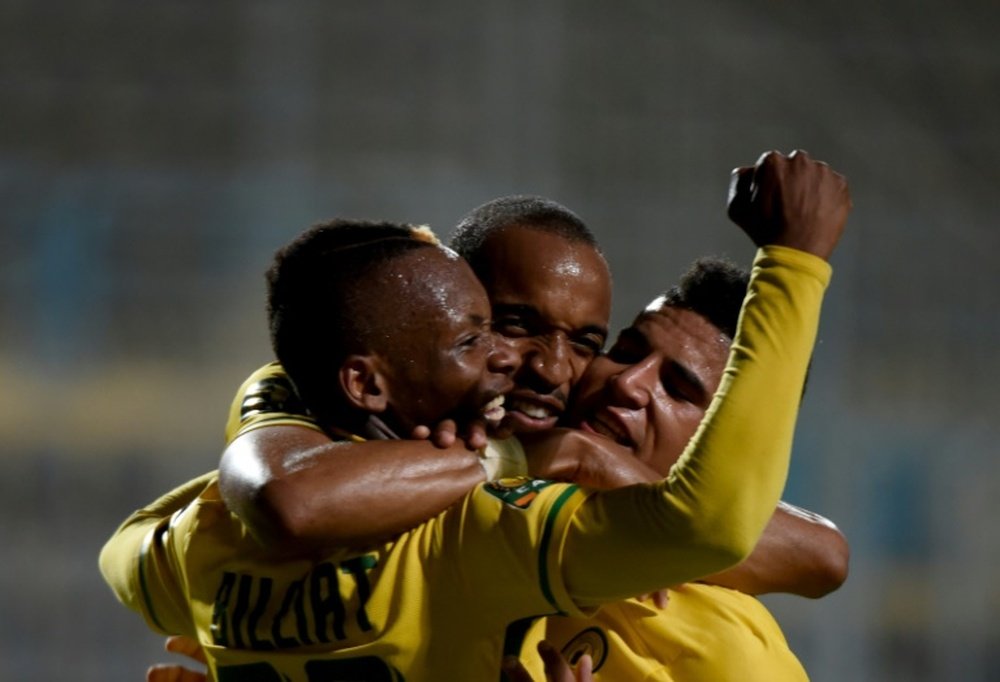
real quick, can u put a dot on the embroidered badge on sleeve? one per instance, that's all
(518, 491)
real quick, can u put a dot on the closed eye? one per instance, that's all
(683, 384)
(512, 326)
(589, 343)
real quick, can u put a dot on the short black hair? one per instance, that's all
(714, 288)
(317, 307)
(523, 210)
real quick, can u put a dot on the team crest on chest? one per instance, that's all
(518, 492)
(590, 641)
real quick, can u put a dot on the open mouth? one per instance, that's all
(493, 411)
(532, 409)
(610, 429)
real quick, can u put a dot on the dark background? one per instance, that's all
(153, 155)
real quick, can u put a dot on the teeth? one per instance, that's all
(493, 410)
(530, 409)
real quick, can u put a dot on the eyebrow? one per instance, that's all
(633, 335)
(532, 312)
(520, 308)
(681, 372)
(594, 329)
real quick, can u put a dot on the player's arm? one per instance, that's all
(294, 487)
(137, 567)
(799, 553)
(587, 459)
(709, 513)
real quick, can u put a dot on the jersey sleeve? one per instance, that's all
(504, 543)
(266, 398)
(710, 511)
(137, 565)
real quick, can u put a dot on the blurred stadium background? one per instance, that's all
(153, 155)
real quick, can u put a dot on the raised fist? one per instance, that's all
(790, 201)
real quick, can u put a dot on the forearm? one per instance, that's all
(296, 489)
(120, 553)
(134, 543)
(710, 512)
(799, 553)
(587, 459)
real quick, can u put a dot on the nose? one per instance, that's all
(502, 358)
(634, 385)
(550, 361)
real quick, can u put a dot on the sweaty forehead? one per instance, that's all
(548, 272)
(672, 329)
(428, 278)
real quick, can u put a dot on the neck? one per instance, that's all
(376, 429)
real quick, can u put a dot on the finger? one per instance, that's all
(420, 433)
(163, 673)
(476, 437)
(444, 439)
(661, 598)
(445, 433)
(515, 670)
(740, 194)
(585, 669)
(556, 667)
(766, 156)
(186, 646)
(845, 188)
(173, 673)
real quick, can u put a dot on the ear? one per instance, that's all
(363, 383)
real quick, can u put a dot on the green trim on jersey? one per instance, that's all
(143, 586)
(543, 548)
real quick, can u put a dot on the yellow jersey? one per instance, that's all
(706, 632)
(438, 602)
(266, 398)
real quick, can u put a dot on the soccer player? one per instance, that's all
(243, 606)
(657, 381)
(550, 291)
(664, 368)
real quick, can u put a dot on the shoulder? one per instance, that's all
(267, 397)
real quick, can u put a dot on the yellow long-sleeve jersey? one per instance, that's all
(438, 602)
(706, 632)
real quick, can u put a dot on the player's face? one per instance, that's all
(652, 388)
(551, 299)
(445, 362)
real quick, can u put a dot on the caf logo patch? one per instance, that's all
(519, 491)
(590, 641)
